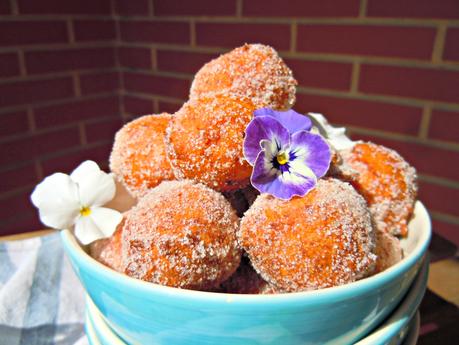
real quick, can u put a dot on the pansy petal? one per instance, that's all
(313, 150)
(87, 231)
(57, 200)
(263, 128)
(266, 179)
(97, 189)
(106, 219)
(336, 136)
(101, 223)
(290, 119)
(85, 168)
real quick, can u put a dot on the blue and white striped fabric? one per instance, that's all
(41, 299)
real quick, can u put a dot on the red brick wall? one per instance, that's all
(389, 70)
(59, 86)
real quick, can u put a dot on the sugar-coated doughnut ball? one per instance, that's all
(388, 251)
(138, 158)
(386, 181)
(205, 138)
(255, 71)
(320, 240)
(181, 234)
(108, 250)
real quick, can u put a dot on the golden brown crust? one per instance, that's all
(108, 250)
(181, 234)
(205, 138)
(138, 157)
(321, 240)
(253, 71)
(386, 181)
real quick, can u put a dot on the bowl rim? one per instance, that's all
(336, 293)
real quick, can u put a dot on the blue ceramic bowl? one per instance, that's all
(146, 313)
(402, 323)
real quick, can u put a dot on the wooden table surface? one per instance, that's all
(439, 308)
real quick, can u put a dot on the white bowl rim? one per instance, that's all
(335, 293)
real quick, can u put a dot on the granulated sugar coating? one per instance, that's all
(108, 250)
(321, 240)
(388, 250)
(386, 181)
(204, 141)
(138, 158)
(181, 234)
(254, 71)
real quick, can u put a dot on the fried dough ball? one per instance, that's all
(386, 181)
(387, 250)
(138, 158)
(181, 234)
(205, 138)
(317, 241)
(108, 250)
(255, 71)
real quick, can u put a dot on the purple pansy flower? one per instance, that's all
(286, 157)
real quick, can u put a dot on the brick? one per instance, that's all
(25, 220)
(182, 62)
(99, 82)
(103, 130)
(17, 178)
(362, 113)
(19, 33)
(388, 41)
(94, 30)
(233, 35)
(439, 198)
(448, 9)
(321, 74)
(167, 107)
(32, 146)
(155, 32)
(75, 111)
(194, 8)
(157, 85)
(31, 91)
(64, 7)
(138, 106)
(5, 7)
(13, 123)
(9, 65)
(68, 162)
(301, 8)
(134, 57)
(451, 51)
(447, 230)
(444, 125)
(11, 206)
(422, 83)
(69, 59)
(129, 7)
(426, 159)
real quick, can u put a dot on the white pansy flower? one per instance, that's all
(64, 201)
(336, 136)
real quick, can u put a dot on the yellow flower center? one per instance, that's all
(282, 158)
(85, 211)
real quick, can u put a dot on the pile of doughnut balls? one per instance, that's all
(198, 224)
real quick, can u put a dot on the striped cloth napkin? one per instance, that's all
(41, 300)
